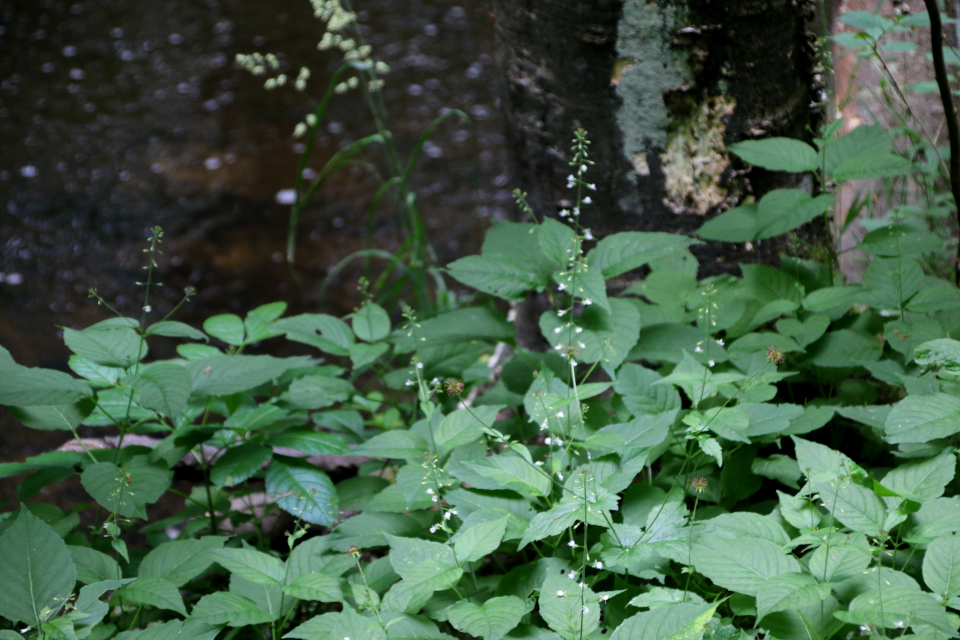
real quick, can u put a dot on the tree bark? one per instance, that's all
(661, 86)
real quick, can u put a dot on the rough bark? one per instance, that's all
(661, 86)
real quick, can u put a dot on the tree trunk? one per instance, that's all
(661, 86)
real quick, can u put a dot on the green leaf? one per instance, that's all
(53, 417)
(109, 347)
(407, 554)
(922, 418)
(362, 354)
(257, 325)
(499, 275)
(896, 607)
(223, 375)
(418, 586)
(180, 561)
(315, 443)
(743, 525)
(476, 542)
(462, 325)
(625, 251)
(94, 566)
(164, 387)
(777, 154)
(153, 592)
(371, 323)
(302, 490)
(738, 567)
(239, 463)
(249, 564)
(325, 332)
(397, 444)
(316, 627)
(351, 624)
(771, 285)
(36, 571)
(670, 622)
(23, 387)
(783, 210)
(736, 225)
(641, 393)
(586, 284)
(789, 591)
(230, 609)
(569, 610)
(491, 621)
(829, 298)
(941, 566)
(316, 587)
(778, 467)
(845, 348)
(513, 472)
(871, 167)
(317, 392)
(463, 426)
(227, 327)
(173, 329)
(862, 141)
(126, 489)
(557, 242)
(943, 353)
(900, 240)
(922, 480)
(173, 630)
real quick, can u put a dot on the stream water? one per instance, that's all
(118, 115)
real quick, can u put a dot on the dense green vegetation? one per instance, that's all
(668, 470)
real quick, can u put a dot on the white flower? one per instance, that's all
(587, 200)
(560, 414)
(586, 609)
(543, 425)
(720, 342)
(710, 363)
(587, 235)
(598, 564)
(433, 529)
(434, 498)
(900, 624)
(561, 287)
(606, 597)
(571, 544)
(539, 463)
(559, 443)
(454, 512)
(571, 575)
(429, 492)
(447, 515)
(560, 475)
(698, 349)
(592, 187)
(419, 365)
(582, 584)
(547, 440)
(561, 312)
(570, 178)
(409, 383)
(583, 168)
(558, 330)
(578, 330)
(147, 309)
(564, 213)
(557, 347)
(587, 302)
(582, 345)
(576, 211)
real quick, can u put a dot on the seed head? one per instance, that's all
(776, 356)
(453, 386)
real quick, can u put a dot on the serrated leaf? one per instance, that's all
(586, 284)
(492, 621)
(742, 568)
(569, 610)
(239, 463)
(670, 622)
(557, 242)
(789, 591)
(476, 542)
(251, 565)
(498, 275)
(771, 285)
(513, 472)
(463, 426)
(744, 525)
(173, 329)
(163, 387)
(36, 571)
(316, 627)
(23, 387)
(407, 554)
(922, 418)
(153, 592)
(227, 327)
(180, 561)
(325, 332)
(736, 225)
(941, 566)
(230, 609)
(302, 490)
(53, 417)
(258, 325)
(351, 624)
(777, 154)
(110, 347)
(641, 393)
(783, 210)
(419, 585)
(126, 489)
(871, 167)
(845, 348)
(316, 587)
(900, 240)
(315, 443)
(397, 444)
(93, 566)
(896, 607)
(371, 323)
(173, 630)
(316, 392)
(621, 252)
(923, 480)
(223, 375)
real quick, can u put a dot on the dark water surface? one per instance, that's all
(117, 115)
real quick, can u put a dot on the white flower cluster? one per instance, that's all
(338, 19)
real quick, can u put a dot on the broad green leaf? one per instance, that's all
(476, 542)
(829, 298)
(798, 512)
(419, 585)
(771, 285)
(316, 627)
(783, 210)
(351, 624)
(570, 610)
(736, 225)
(641, 395)
(173, 329)
(407, 554)
(126, 489)
(316, 587)
(491, 621)
(670, 622)
(462, 325)
(239, 463)
(557, 242)
(23, 387)
(36, 571)
(173, 630)
(900, 240)
(371, 323)
(463, 426)
(742, 568)
(777, 154)
(768, 419)
(789, 591)
(862, 141)
(227, 327)
(743, 525)
(230, 609)
(804, 332)
(316, 392)
(93, 566)
(845, 348)
(257, 325)
(896, 607)
(778, 467)
(53, 417)
(667, 342)
(513, 472)
(853, 505)
(362, 354)
(223, 375)
(302, 490)
(163, 387)
(249, 564)
(109, 347)
(325, 332)
(397, 444)
(922, 418)
(941, 566)
(315, 443)
(625, 251)
(943, 353)
(180, 561)
(153, 592)
(871, 167)
(839, 561)
(98, 375)
(499, 275)
(922, 480)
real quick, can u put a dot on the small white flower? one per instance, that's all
(557, 347)
(560, 593)
(571, 544)
(564, 213)
(558, 330)
(454, 512)
(592, 187)
(543, 425)
(587, 235)
(447, 515)
(598, 564)
(583, 168)
(560, 414)
(560, 475)
(710, 363)
(587, 200)
(433, 529)
(409, 383)
(547, 440)
(559, 443)
(576, 211)
(429, 492)
(147, 309)
(864, 627)
(900, 624)
(571, 575)
(434, 498)
(582, 585)
(570, 178)
(578, 330)
(606, 597)
(586, 609)
(561, 287)
(539, 463)
(419, 365)
(720, 342)
(698, 349)
(582, 345)
(561, 312)
(587, 302)
(589, 456)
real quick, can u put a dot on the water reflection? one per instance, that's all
(115, 117)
